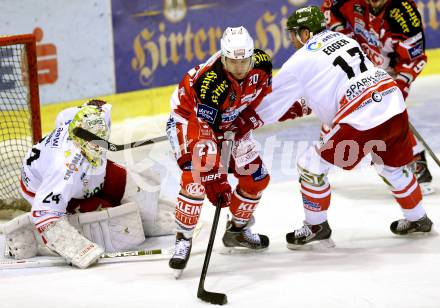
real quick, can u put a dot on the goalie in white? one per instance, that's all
(65, 174)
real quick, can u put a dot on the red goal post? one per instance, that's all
(20, 121)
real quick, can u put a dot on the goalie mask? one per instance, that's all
(90, 118)
(237, 49)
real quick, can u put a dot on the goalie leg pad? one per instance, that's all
(116, 229)
(20, 238)
(23, 240)
(157, 215)
(64, 239)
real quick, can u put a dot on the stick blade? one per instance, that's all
(212, 297)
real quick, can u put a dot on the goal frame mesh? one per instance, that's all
(11, 208)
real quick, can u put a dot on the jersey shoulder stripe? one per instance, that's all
(212, 86)
(404, 18)
(262, 61)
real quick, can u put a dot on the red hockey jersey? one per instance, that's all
(393, 39)
(209, 94)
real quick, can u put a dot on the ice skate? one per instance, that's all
(242, 238)
(403, 226)
(310, 233)
(182, 250)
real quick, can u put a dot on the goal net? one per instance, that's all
(19, 116)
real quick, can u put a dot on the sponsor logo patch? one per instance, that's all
(376, 96)
(72, 166)
(312, 206)
(314, 46)
(207, 113)
(56, 138)
(195, 189)
(416, 51)
(239, 52)
(370, 37)
(230, 116)
(260, 174)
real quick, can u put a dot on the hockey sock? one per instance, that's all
(316, 201)
(187, 214)
(409, 199)
(242, 208)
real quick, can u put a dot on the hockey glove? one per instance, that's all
(217, 187)
(184, 162)
(246, 121)
(297, 110)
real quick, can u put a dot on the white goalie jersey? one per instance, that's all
(55, 171)
(57, 180)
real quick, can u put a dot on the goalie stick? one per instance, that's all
(88, 136)
(110, 257)
(207, 296)
(427, 147)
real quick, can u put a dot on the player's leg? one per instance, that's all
(188, 210)
(419, 166)
(402, 182)
(407, 193)
(316, 194)
(342, 146)
(253, 178)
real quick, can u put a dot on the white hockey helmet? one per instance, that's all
(236, 43)
(91, 118)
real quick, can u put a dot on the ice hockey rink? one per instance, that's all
(370, 267)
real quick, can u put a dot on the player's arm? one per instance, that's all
(287, 91)
(334, 15)
(298, 109)
(408, 38)
(263, 67)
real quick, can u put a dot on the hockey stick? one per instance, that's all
(427, 147)
(207, 296)
(88, 136)
(110, 257)
(106, 258)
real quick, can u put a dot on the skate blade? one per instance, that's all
(177, 273)
(239, 250)
(316, 245)
(427, 189)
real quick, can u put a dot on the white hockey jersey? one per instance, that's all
(54, 170)
(338, 82)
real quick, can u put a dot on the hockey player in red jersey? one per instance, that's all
(217, 96)
(390, 32)
(366, 112)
